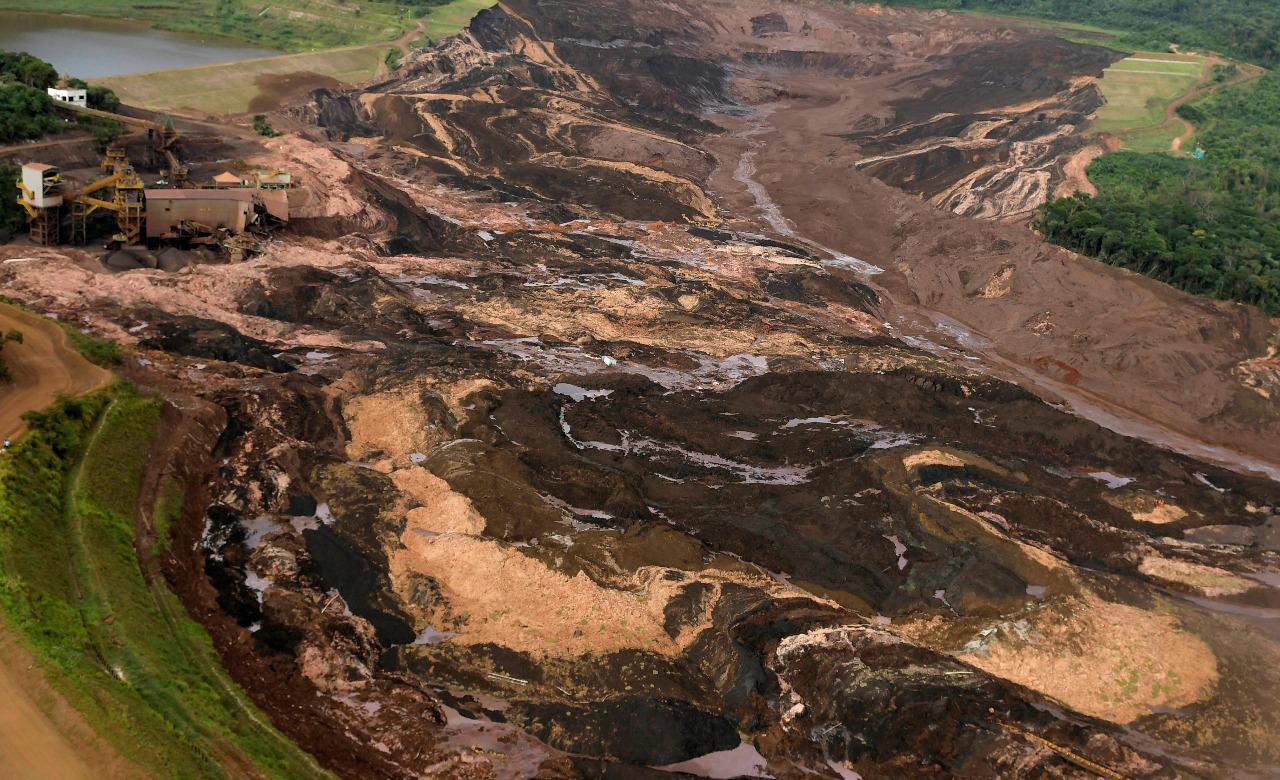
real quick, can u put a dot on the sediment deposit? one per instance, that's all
(605, 408)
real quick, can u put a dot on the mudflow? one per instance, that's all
(658, 388)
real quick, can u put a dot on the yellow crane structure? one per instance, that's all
(42, 193)
(127, 202)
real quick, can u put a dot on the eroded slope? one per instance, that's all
(517, 474)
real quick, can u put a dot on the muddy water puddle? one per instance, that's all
(742, 761)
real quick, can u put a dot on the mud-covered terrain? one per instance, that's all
(601, 414)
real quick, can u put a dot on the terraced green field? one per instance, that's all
(1139, 91)
(108, 634)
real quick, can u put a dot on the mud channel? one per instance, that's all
(621, 402)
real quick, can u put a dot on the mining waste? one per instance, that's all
(650, 390)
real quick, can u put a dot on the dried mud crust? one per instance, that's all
(494, 468)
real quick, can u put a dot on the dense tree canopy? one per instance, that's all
(1210, 226)
(25, 113)
(21, 68)
(1244, 29)
(101, 98)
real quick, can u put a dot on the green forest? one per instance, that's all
(1244, 29)
(1210, 226)
(27, 112)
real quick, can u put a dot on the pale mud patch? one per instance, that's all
(515, 601)
(1106, 660)
(627, 315)
(389, 425)
(1146, 508)
(949, 457)
(497, 594)
(321, 187)
(1208, 580)
(998, 285)
(443, 510)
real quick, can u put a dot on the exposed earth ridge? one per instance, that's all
(637, 391)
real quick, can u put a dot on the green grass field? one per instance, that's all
(120, 649)
(286, 25)
(230, 88)
(1138, 90)
(445, 20)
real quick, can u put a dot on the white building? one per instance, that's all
(78, 97)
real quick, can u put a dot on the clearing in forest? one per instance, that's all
(1142, 92)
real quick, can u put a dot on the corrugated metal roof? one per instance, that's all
(241, 194)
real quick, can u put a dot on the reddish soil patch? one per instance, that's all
(1066, 372)
(1075, 177)
(43, 366)
(41, 735)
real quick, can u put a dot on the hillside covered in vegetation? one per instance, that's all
(1210, 226)
(1244, 29)
(288, 25)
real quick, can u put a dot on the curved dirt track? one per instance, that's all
(43, 366)
(41, 736)
(1189, 130)
(32, 745)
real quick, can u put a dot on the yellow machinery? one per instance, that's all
(163, 133)
(42, 193)
(127, 202)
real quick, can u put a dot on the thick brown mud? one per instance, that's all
(498, 465)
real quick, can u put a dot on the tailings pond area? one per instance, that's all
(608, 411)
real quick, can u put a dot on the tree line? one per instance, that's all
(27, 111)
(1209, 226)
(1244, 29)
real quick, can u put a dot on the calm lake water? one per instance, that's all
(91, 48)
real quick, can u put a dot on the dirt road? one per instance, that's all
(32, 745)
(1189, 130)
(43, 366)
(41, 736)
(23, 148)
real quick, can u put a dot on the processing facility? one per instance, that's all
(173, 211)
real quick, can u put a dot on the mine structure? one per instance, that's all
(223, 214)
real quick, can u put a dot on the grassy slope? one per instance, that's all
(287, 25)
(230, 88)
(445, 20)
(121, 650)
(1138, 90)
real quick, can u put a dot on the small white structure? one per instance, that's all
(44, 184)
(78, 97)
